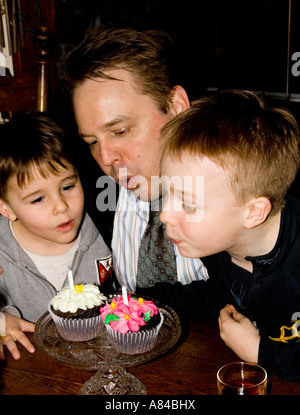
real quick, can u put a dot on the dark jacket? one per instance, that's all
(270, 296)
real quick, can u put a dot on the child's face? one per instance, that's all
(201, 215)
(49, 210)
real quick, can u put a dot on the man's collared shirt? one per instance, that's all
(130, 222)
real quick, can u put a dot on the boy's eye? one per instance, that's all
(37, 200)
(68, 187)
(189, 208)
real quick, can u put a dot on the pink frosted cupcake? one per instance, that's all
(132, 328)
(76, 312)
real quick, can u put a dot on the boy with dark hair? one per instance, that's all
(43, 228)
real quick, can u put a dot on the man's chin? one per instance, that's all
(141, 194)
(142, 189)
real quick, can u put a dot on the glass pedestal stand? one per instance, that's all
(111, 377)
(113, 381)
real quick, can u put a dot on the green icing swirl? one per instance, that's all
(147, 316)
(111, 317)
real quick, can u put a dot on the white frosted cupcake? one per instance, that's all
(132, 328)
(76, 312)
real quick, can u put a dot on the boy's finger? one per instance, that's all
(27, 326)
(12, 347)
(25, 342)
(226, 312)
(238, 316)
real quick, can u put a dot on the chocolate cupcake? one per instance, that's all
(133, 327)
(76, 312)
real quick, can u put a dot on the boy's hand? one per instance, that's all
(1, 270)
(15, 328)
(239, 334)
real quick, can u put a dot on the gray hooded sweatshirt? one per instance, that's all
(24, 287)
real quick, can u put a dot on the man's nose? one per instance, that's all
(109, 153)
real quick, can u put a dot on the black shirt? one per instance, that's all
(269, 296)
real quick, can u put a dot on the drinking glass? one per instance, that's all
(241, 378)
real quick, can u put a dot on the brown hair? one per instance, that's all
(31, 140)
(148, 54)
(257, 145)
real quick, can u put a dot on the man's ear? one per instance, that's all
(180, 100)
(258, 212)
(6, 211)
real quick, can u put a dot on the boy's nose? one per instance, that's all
(167, 216)
(163, 216)
(60, 206)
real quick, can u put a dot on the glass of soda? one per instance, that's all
(241, 378)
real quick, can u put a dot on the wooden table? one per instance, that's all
(189, 369)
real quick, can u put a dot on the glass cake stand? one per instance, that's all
(97, 354)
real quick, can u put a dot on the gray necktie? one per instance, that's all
(156, 262)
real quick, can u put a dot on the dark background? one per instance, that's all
(222, 43)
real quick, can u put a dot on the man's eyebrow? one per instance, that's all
(110, 124)
(115, 121)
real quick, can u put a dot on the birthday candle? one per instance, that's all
(124, 295)
(70, 278)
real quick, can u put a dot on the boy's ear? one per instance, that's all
(259, 210)
(6, 211)
(180, 100)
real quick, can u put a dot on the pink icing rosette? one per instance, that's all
(144, 306)
(125, 322)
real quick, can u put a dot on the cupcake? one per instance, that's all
(76, 312)
(132, 328)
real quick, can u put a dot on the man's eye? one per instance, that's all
(122, 131)
(93, 143)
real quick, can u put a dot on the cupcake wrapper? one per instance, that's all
(134, 343)
(78, 329)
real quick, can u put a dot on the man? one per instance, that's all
(125, 89)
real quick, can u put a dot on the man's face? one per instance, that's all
(122, 128)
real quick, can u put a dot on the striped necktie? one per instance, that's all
(156, 261)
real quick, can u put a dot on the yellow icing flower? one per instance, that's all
(78, 288)
(140, 300)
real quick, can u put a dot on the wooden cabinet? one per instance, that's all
(32, 25)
